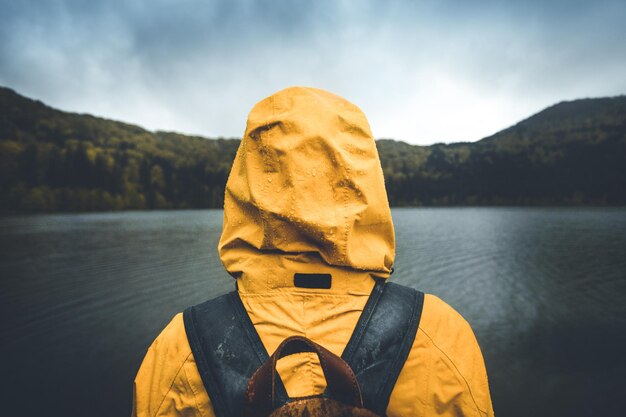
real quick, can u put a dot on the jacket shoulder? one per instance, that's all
(452, 337)
(168, 383)
(439, 319)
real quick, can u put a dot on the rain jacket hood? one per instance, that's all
(306, 190)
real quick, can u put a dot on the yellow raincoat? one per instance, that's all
(306, 194)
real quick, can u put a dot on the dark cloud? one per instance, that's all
(423, 71)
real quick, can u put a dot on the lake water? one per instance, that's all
(82, 297)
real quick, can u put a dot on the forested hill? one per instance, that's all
(573, 153)
(56, 161)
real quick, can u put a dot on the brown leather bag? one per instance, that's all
(342, 396)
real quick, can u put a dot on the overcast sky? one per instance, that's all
(423, 71)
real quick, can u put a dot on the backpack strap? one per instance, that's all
(227, 350)
(382, 340)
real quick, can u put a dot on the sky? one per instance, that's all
(422, 71)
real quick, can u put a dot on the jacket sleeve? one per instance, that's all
(445, 373)
(168, 383)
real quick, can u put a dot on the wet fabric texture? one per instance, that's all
(306, 195)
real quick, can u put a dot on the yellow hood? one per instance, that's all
(306, 193)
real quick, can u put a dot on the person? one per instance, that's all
(308, 236)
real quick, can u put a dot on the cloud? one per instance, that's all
(422, 71)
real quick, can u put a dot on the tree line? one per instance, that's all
(573, 153)
(79, 176)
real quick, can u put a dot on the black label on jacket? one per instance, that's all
(312, 280)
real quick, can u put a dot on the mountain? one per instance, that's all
(56, 161)
(573, 153)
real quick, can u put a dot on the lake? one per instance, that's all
(83, 295)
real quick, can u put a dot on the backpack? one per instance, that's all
(241, 379)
